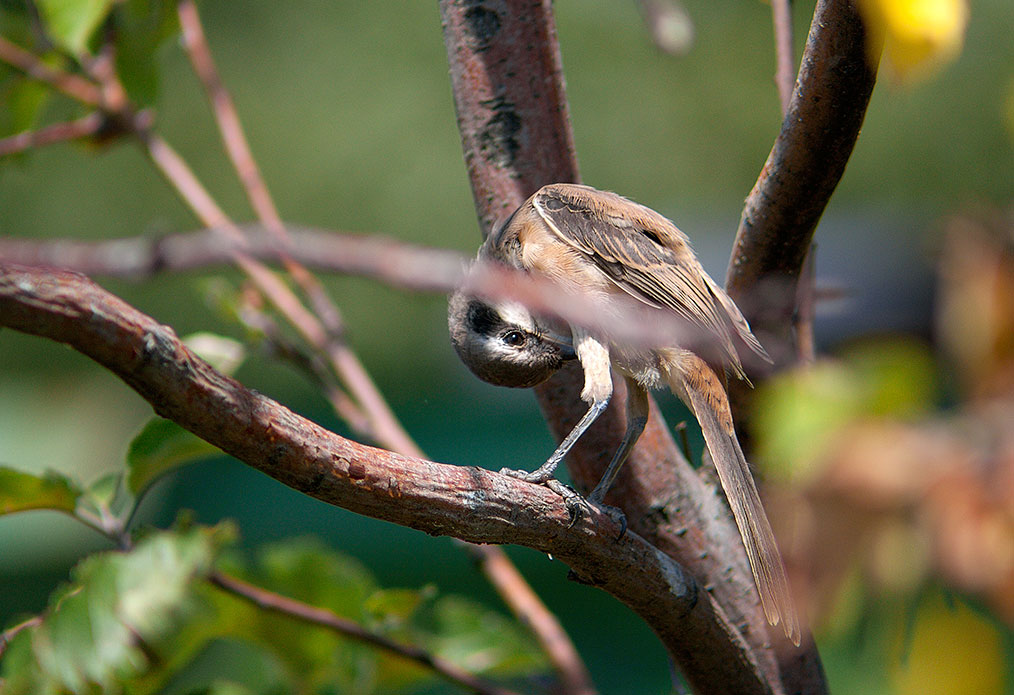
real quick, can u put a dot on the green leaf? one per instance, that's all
(393, 607)
(21, 491)
(160, 447)
(898, 377)
(90, 638)
(23, 101)
(142, 28)
(71, 23)
(224, 688)
(106, 503)
(318, 659)
(478, 639)
(797, 413)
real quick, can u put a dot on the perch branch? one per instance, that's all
(472, 504)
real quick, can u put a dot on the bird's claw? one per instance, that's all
(577, 506)
(528, 477)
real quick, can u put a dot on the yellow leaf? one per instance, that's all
(953, 651)
(917, 36)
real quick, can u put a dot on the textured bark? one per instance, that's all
(469, 503)
(512, 112)
(836, 79)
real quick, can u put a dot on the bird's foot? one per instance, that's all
(577, 506)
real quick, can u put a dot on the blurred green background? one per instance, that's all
(348, 108)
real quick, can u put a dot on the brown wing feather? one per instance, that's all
(646, 256)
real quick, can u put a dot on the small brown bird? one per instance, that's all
(604, 247)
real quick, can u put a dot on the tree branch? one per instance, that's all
(805, 164)
(472, 504)
(284, 605)
(781, 18)
(512, 113)
(86, 126)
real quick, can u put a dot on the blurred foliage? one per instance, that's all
(917, 36)
(136, 621)
(887, 482)
(893, 446)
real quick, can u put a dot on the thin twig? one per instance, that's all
(311, 364)
(806, 307)
(7, 635)
(277, 603)
(531, 611)
(785, 72)
(72, 85)
(818, 134)
(385, 427)
(86, 126)
(226, 117)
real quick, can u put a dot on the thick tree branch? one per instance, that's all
(512, 112)
(805, 164)
(472, 504)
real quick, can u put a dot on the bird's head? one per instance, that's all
(502, 343)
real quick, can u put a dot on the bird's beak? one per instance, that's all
(564, 343)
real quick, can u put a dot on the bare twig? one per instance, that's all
(806, 307)
(226, 116)
(397, 263)
(807, 161)
(384, 426)
(7, 635)
(86, 126)
(284, 605)
(472, 504)
(532, 612)
(310, 363)
(72, 85)
(785, 72)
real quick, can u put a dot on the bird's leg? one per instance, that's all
(545, 472)
(598, 389)
(637, 417)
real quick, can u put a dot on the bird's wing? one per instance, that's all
(646, 256)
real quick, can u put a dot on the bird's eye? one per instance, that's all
(514, 338)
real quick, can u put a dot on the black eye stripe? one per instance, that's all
(483, 319)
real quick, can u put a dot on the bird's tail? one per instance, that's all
(698, 386)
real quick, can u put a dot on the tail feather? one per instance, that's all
(712, 413)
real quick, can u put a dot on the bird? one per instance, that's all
(610, 250)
